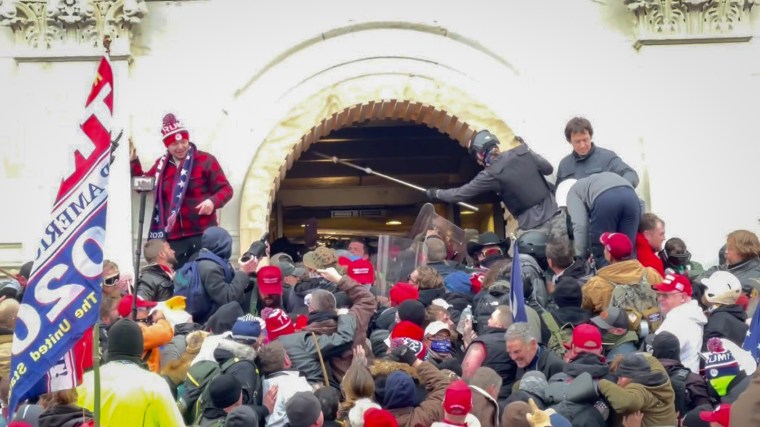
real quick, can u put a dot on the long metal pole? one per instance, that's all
(381, 175)
(96, 371)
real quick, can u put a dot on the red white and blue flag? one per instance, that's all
(63, 292)
(516, 294)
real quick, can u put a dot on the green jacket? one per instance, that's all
(651, 393)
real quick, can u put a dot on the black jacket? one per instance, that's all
(548, 363)
(428, 295)
(64, 416)
(219, 291)
(295, 301)
(695, 385)
(485, 302)
(597, 160)
(155, 284)
(573, 315)
(726, 321)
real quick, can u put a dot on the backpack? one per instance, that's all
(560, 335)
(640, 303)
(678, 381)
(484, 306)
(196, 395)
(187, 283)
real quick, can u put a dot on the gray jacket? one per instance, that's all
(581, 199)
(302, 348)
(597, 160)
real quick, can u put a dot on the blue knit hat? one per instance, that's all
(458, 281)
(246, 329)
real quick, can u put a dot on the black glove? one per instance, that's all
(404, 354)
(432, 193)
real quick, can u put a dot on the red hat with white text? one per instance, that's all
(173, 131)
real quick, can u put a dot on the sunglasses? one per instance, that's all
(111, 280)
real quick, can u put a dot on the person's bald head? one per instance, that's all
(8, 312)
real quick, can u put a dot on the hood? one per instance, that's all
(227, 349)
(671, 364)
(734, 310)
(579, 158)
(689, 312)
(595, 365)
(385, 367)
(60, 415)
(218, 241)
(458, 299)
(657, 380)
(211, 414)
(573, 315)
(224, 318)
(242, 416)
(576, 270)
(400, 391)
(305, 287)
(623, 273)
(498, 290)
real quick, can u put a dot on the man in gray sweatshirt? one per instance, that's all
(599, 203)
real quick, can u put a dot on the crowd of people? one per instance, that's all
(623, 328)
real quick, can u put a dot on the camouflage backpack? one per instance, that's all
(639, 301)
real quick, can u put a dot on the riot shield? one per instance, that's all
(397, 258)
(453, 236)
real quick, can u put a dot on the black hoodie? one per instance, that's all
(64, 416)
(573, 315)
(295, 301)
(726, 321)
(595, 365)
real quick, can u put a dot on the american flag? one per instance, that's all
(178, 195)
(516, 294)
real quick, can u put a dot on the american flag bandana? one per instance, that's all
(162, 224)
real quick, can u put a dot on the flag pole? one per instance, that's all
(96, 328)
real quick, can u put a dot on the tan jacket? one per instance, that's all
(597, 292)
(486, 408)
(431, 409)
(6, 342)
(745, 411)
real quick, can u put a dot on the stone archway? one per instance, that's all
(409, 98)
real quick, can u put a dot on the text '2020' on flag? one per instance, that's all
(516, 294)
(63, 292)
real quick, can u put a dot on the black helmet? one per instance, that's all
(482, 141)
(533, 243)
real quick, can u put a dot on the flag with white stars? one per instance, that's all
(752, 340)
(165, 217)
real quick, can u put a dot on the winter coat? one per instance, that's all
(650, 393)
(288, 384)
(580, 202)
(686, 322)
(533, 272)
(748, 273)
(572, 315)
(459, 301)
(207, 181)
(428, 295)
(582, 413)
(695, 385)
(219, 290)
(155, 336)
(295, 301)
(64, 416)
(244, 370)
(431, 409)
(597, 292)
(302, 347)
(155, 283)
(485, 407)
(646, 255)
(130, 396)
(176, 369)
(597, 160)
(363, 305)
(726, 321)
(485, 302)
(381, 368)
(548, 363)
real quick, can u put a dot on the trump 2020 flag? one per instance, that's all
(63, 292)
(516, 295)
(752, 340)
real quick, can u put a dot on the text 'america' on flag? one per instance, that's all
(63, 292)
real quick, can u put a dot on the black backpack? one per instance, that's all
(678, 380)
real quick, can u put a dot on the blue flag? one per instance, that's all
(516, 294)
(752, 340)
(62, 297)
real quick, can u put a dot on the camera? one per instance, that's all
(257, 249)
(143, 183)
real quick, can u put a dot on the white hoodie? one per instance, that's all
(686, 322)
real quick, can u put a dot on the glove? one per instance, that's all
(537, 417)
(432, 193)
(404, 354)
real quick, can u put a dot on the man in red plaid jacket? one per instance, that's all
(190, 186)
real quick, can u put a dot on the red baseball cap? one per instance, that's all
(458, 398)
(587, 337)
(674, 283)
(270, 280)
(362, 271)
(721, 415)
(125, 305)
(617, 244)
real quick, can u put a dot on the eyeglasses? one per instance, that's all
(111, 280)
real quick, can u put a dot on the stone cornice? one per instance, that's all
(691, 21)
(70, 28)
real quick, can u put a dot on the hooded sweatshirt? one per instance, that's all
(726, 321)
(686, 322)
(222, 284)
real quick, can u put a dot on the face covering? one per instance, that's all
(441, 346)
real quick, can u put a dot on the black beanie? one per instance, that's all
(225, 391)
(567, 293)
(666, 346)
(224, 318)
(377, 340)
(632, 366)
(413, 311)
(125, 341)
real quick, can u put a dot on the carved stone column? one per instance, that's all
(55, 28)
(691, 21)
